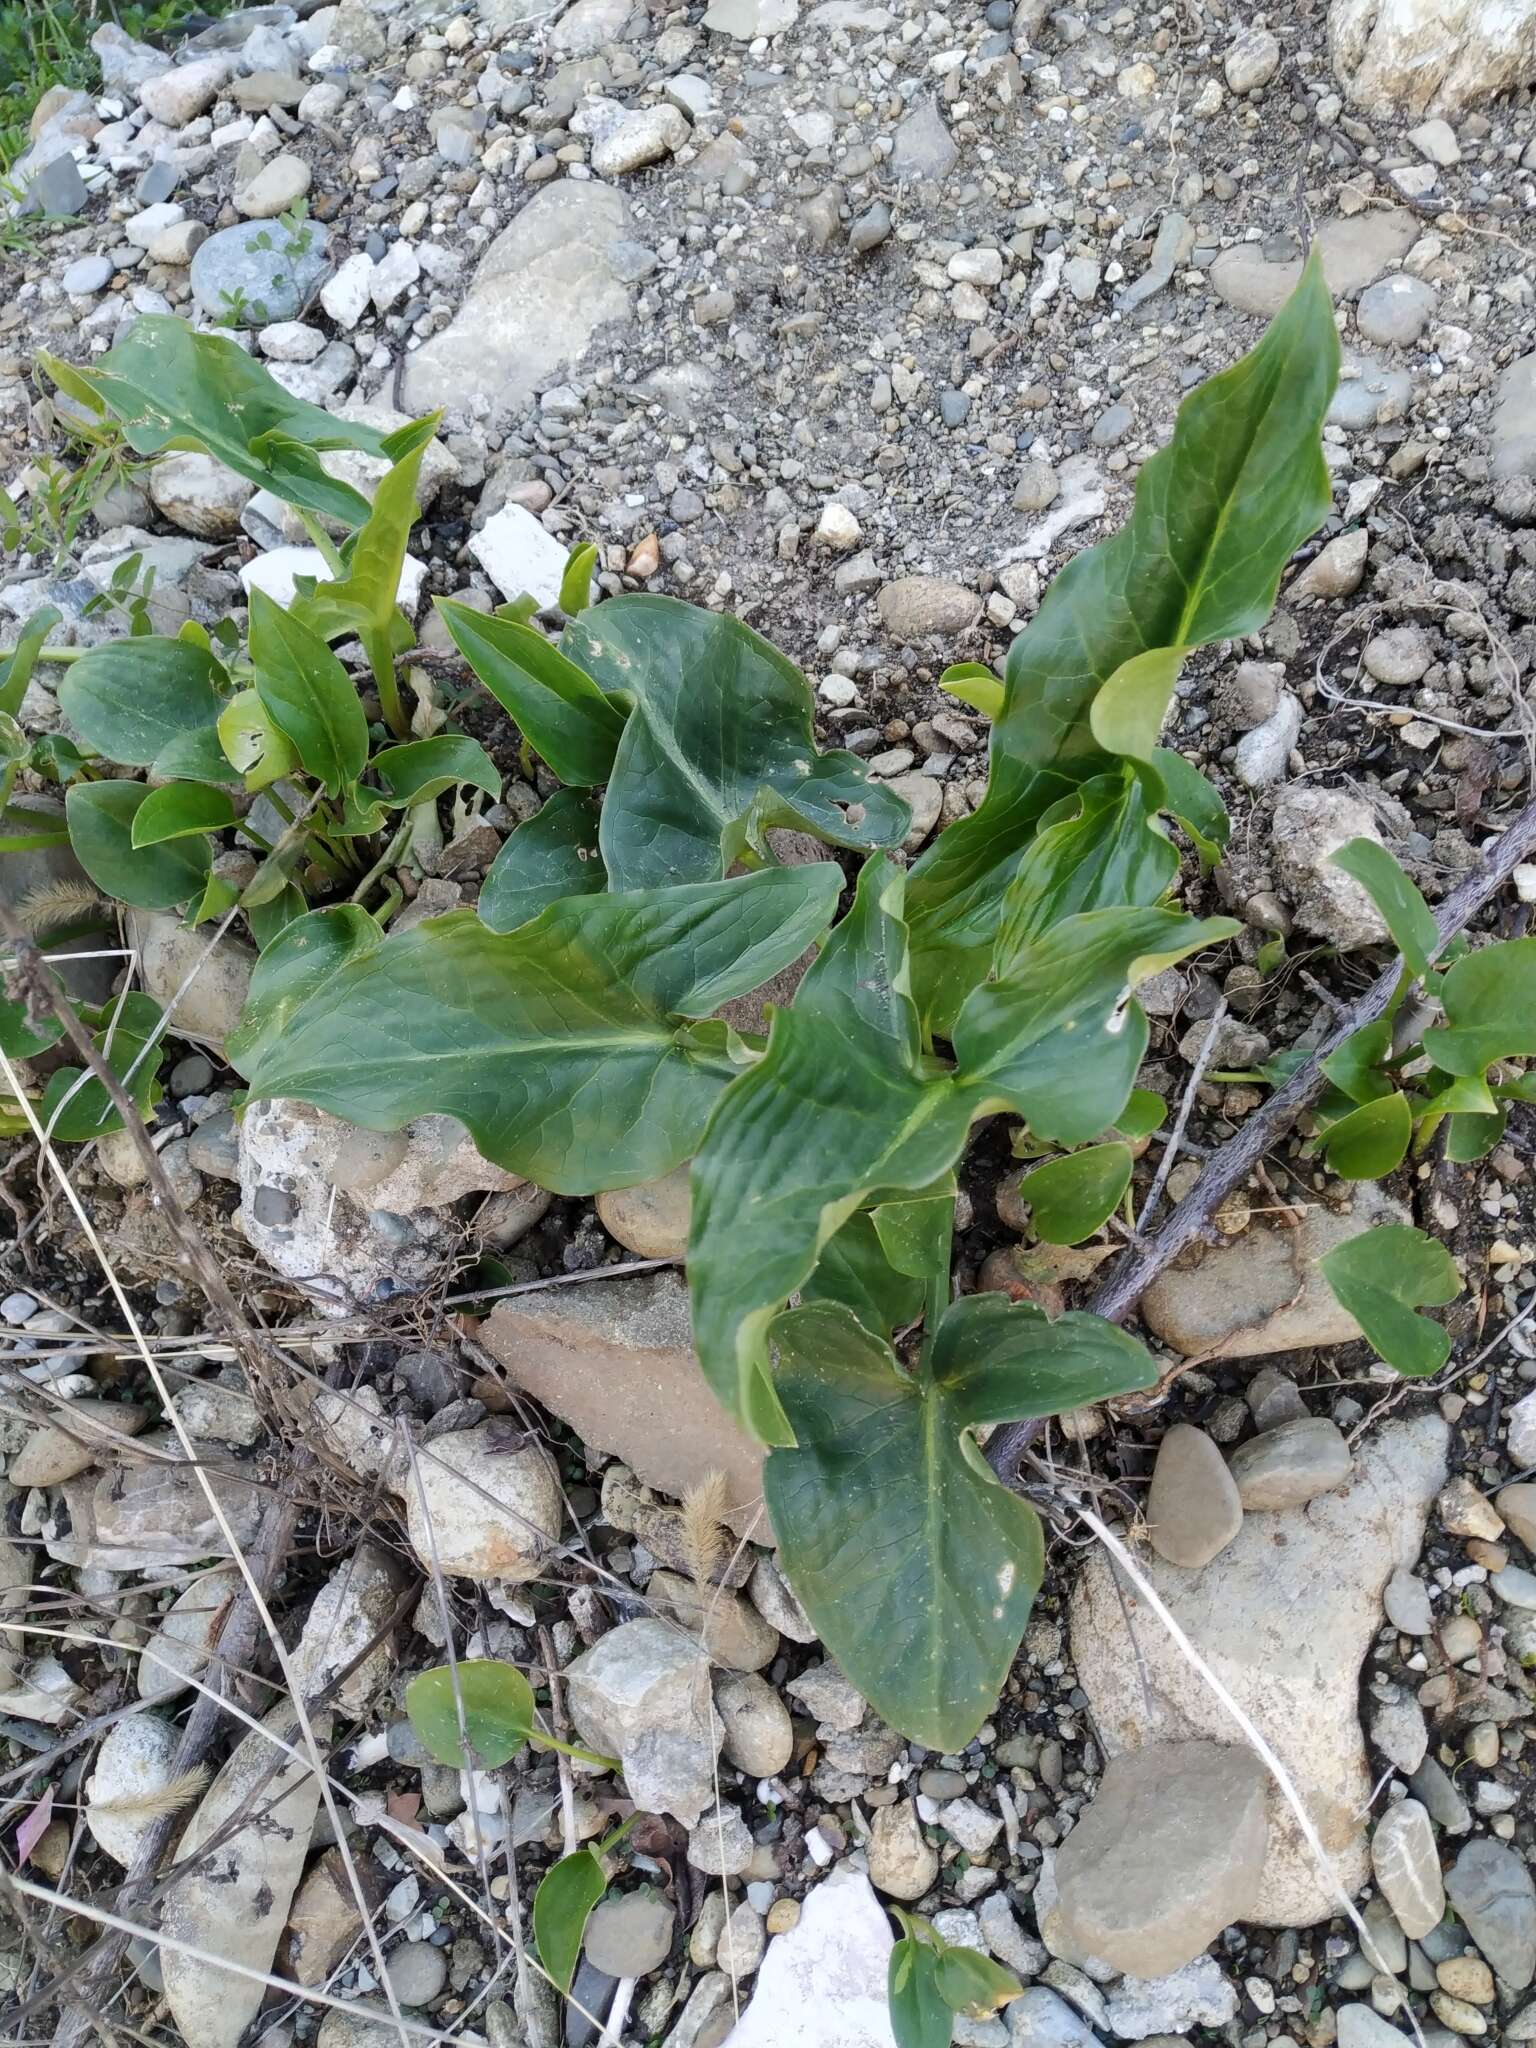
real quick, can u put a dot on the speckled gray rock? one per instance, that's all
(922, 149)
(1169, 1852)
(1310, 825)
(642, 1694)
(132, 1765)
(902, 1863)
(1490, 1886)
(1395, 310)
(1198, 1995)
(1040, 2019)
(541, 291)
(927, 607)
(259, 271)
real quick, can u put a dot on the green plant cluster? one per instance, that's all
(574, 1021)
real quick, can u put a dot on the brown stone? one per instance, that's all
(615, 1360)
(325, 1920)
(1193, 1509)
(1263, 1293)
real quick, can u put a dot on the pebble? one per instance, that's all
(1251, 61)
(1395, 310)
(1517, 1507)
(1466, 1512)
(902, 1863)
(1491, 1891)
(1288, 1466)
(970, 1825)
(1398, 656)
(417, 1972)
(87, 275)
(630, 1935)
(1407, 1867)
(1406, 1601)
(1193, 1506)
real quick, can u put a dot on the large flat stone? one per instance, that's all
(615, 1360)
(1262, 1292)
(1355, 252)
(543, 289)
(1284, 1617)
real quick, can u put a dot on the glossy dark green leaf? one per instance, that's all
(841, 1106)
(1057, 1037)
(1470, 1137)
(16, 669)
(219, 894)
(553, 854)
(129, 699)
(971, 1983)
(178, 810)
(561, 1906)
(564, 1046)
(479, 1703)
(308, 695)
(270, 918)
(1355, 1066)
(291, 970)
(558, 708)
(253, 744)
(1407, 916)
(121, 1030)
(915, 1566)
(1489, 999)
(423, 769)
(919, 2016)
(366, 600)
(853, 1268)
(1372, 1140)
(1072, 1197)
(1142, 1115)
(1107, 852)
(173, 388)
(101, 817)
(718, 747)
(1194, 801)
(1218, 514)
(1381, 1278)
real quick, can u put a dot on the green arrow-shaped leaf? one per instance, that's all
(1218, 514)
(308, 695)
(366, 600)
(718, 747)
(841, 1105)
(1057, 1037)
(555, 704)
(1372, 1140)
(1105, 850)
(1489, 999)
(1408, 917)
(566, 1046)
(1381, 1278)
(916, 1567)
